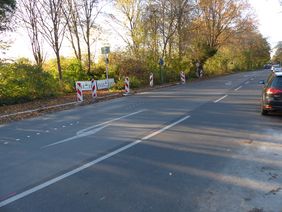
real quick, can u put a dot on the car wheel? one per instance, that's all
(263, 111)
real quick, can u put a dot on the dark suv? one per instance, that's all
(272, 93)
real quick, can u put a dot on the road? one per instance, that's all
(202, 146)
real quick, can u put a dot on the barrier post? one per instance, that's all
(182, 77)
(94, 89)
(79, 94)
(151, 79)
(126, 86)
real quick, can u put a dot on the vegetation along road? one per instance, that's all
(200, 146)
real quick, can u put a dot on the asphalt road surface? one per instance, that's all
(202, 146)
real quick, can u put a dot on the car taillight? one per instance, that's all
(273, 91)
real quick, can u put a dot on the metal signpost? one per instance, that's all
(105, 51)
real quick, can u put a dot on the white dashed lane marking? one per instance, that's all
(84, 132)
(29, 137)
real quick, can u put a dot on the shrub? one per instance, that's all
(25, 82)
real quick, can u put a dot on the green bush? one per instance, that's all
(21, 82)
(119, 85)
(72, 71)
(134, 82)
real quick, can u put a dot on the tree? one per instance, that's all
(90, 10)
(71, 13)
(218, 21)
(52, 27)
(28, 14)
(132, 23)
(168, 24)
(277, 58)
(184, 16)
(7, 8)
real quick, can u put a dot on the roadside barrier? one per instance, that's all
(94, 89)
(151, 79)
(79, 94)
(126, 85)
(182, 77)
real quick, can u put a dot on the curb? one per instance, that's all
(110, 96)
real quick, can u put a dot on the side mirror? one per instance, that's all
(262, 82)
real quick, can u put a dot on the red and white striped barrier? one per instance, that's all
(94, 89)
(182, 77)
(126, 85)
(79, 94)
(151, 79)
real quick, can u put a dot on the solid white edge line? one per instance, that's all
(238, 88)
(221, 98)
(87, 165)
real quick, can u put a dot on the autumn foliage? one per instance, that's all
(220, 34)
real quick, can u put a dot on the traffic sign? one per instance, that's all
(105, 50)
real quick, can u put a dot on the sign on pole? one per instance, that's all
(105, 50)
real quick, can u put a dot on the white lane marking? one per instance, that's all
(107, 122)
(87, 165)
(247, 82)
(37, 133)
(238, 88)
(91, 132)
(221, 98)
(18, 139)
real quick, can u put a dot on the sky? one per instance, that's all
(269, 15)
(268, 12)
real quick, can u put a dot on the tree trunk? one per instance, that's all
(59, 64)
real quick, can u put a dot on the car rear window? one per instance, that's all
(277, 82)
